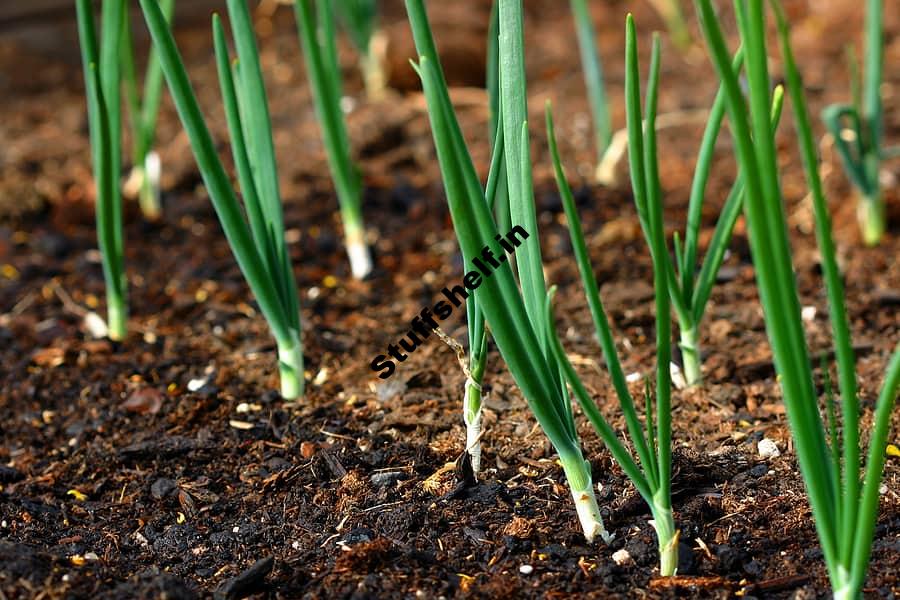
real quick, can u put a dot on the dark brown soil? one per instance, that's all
(120, 478)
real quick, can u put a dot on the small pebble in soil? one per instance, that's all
(526, 569)
(753, 568)
(357, 535)
(687, 560)
(162, 487)
(555, 551)
(759, 470)
(729, 557)
(248, 582)
(812, 554)
(768, 448)
(621, 557)
(726, 274)
(390, 389)
(197, 384)
(95, 325)
(386, 479)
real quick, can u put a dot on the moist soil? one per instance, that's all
(165, 466)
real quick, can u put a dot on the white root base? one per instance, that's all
(153, 172)
(290, 368)
(473, 439)
(589, 516)
(360, 259)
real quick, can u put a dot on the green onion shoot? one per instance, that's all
(100, 59)
(518, 333)
(315, 24)
(359, 19)
(143, 109)
(842, 493)
(258, 241)
(858, 131)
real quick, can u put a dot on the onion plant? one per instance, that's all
(100, 59)
(593, 76)
(691, 289)
(315, 23)
(673, 16)
(519, 334)
(478, 333)
(495, 194)
(257, 241)
(143, 108)
(844, 507)
(651, 474)
(858, 130)
(360, 20)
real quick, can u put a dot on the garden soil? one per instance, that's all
(167, 466)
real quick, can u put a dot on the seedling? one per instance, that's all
(652, 477)
(845, 510)
(143, 109)
(522, 341)
(858, 130)
(496, 196)
(101, 76)
(317, 36)
(478, 333)
(593, 76)
(258, 241)
(360, 20)
(691, 290)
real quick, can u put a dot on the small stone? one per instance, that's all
(162, 487)
(144, 401)
(526, 569)
(357, 535)
(387, 478)
(808, 313)
(95, 325)
(753, 568)
(767, 448)
(622, 557)
(759, 471)
(195, 385)
(250, 581)
(390, 389)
